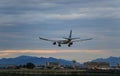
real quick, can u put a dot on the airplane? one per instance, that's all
(69, 41)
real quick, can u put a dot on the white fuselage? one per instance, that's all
(64, 41)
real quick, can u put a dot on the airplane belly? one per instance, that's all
(64, 42)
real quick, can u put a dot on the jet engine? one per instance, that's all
(54, 43)
(70, 44)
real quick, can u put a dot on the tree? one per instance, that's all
(30, 65)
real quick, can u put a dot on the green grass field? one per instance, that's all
(32, 72)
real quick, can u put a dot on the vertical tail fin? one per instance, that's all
(70, 34)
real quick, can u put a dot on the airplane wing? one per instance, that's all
(47, 39)
(82, 40)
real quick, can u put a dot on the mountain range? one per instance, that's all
(113, 61)
(36, 60)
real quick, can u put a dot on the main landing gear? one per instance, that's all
(69, 45)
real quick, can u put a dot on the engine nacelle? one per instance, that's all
(70, 44)
(54, 43)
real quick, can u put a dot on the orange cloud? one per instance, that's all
(50, 51)
(4, 54)
(12, 53)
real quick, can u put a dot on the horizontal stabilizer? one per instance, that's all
(71, 38)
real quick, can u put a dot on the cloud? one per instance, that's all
(10, 53)
(49, 51)
(66, 16)
(35, 11)
(2, 55)
(23, 21)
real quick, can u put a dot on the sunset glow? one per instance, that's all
(22, 22)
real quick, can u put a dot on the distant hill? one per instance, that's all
(36, 60)
(42, 60)
(113, 61)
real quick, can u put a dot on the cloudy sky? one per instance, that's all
(23, 21)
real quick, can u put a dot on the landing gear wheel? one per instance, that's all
(69, 45)
(59, 45)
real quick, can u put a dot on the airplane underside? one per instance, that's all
(59, 44)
